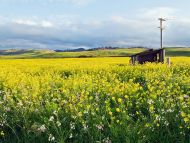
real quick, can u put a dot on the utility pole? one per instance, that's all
(162, 55)
(161, 31)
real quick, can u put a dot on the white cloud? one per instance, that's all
(166, 12)
(32, 22)
(80, 2)
(74, 2)
(46, 24)
(45, 2)
(25, 22)
(63, 31)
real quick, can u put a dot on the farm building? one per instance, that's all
(149, 56)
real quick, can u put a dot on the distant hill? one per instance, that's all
(81, 53)
(23, 51)
(71, 50)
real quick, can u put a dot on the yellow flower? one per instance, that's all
(151, 108)
(2, 133)
(183, 114)
(118, 110)
(110, 113)
(113, 98)
(126, 97)
(119, 100)
(186, 119)
(113, 118)
(106, 102)
(91, 98)
(80, 114)
(146, 125)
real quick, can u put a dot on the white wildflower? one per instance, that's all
(20, 104)
(71, 136)
(85, 127)
(42, 128)
(107, 140)
(55, 112)
(51, 119)
(186, 96)
(72, 126)
(166, 123)
(7, 109)
(58, 123)
(150, 101)
(85, 112)
(51, 138)
(100, 127)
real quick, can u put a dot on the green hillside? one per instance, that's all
(173, 52)
(122, 52)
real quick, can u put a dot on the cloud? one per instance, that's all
(21, 44)
(25, 22)
(80, 2)
(71, 31)
(45, 2)
(157, 12)
(46, 24)
(32, 22)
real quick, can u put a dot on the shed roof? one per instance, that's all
(147, 52)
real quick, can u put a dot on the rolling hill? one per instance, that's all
(120, 52)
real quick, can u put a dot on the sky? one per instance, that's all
(68, 24)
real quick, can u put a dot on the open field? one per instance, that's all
(25, 54)
(94, 100)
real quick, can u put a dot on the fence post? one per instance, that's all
(168, 61)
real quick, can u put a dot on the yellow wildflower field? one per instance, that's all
(94, 100)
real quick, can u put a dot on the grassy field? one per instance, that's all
(172, 52)
(96, 100)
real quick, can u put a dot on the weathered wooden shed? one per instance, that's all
(149, 56)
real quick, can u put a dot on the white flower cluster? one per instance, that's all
(51, 138)
(42, 128)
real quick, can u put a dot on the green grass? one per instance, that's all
(174, 52)
(125, 52)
